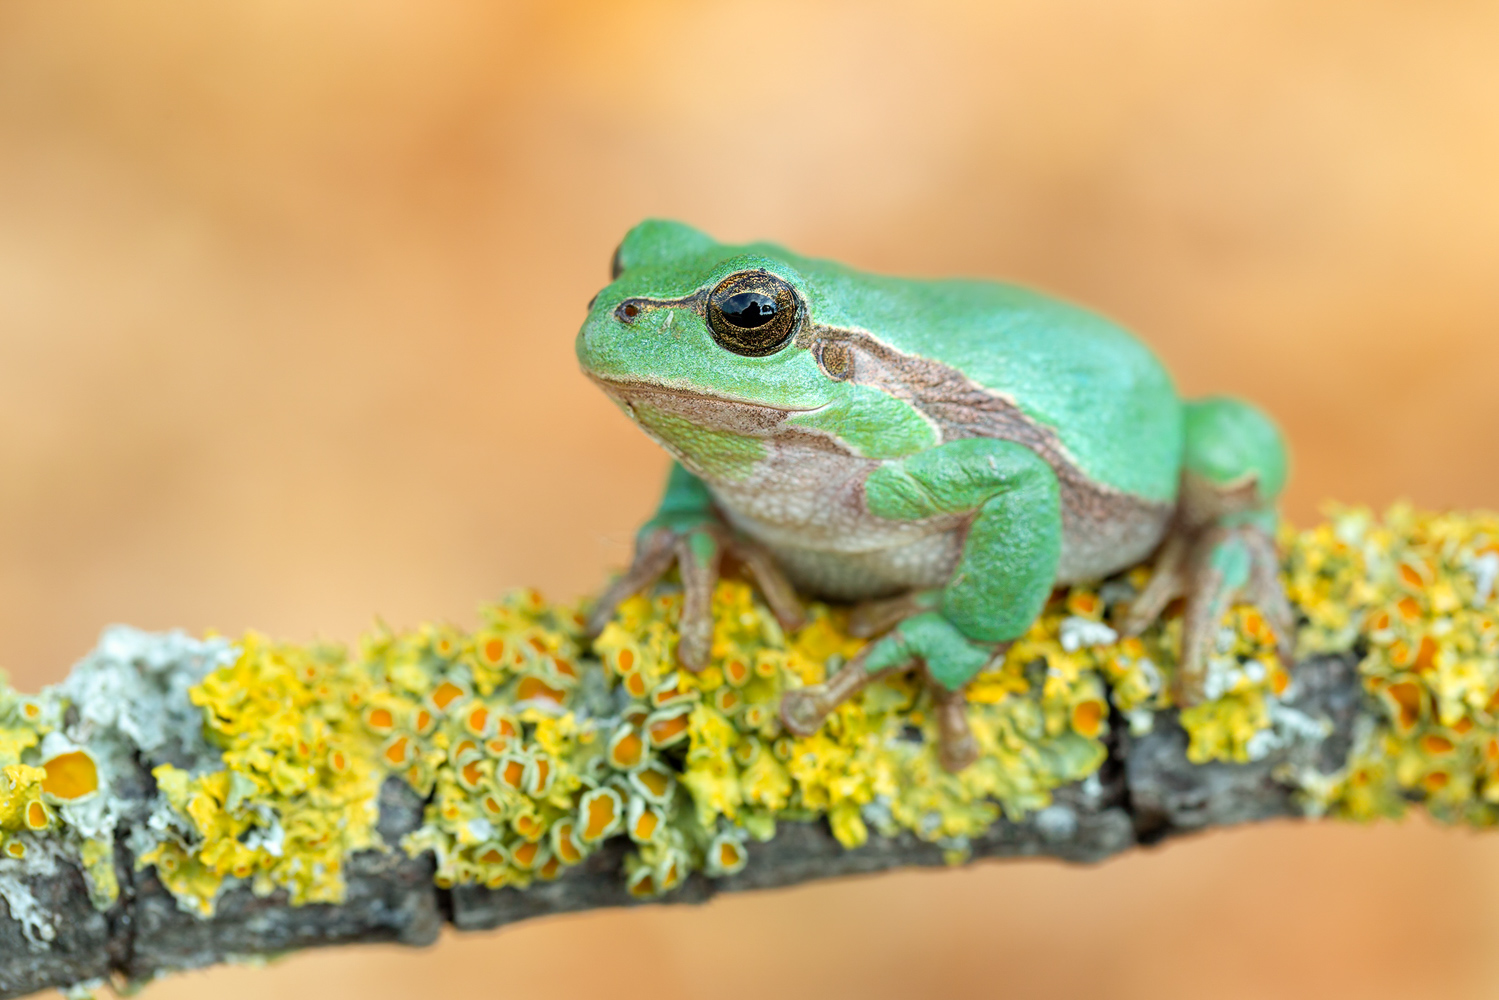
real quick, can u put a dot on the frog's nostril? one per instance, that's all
(627, 312)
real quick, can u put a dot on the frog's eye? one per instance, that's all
(616, 266)
(753, 313)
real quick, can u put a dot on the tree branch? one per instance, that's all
(177, 802)
(1147, 791)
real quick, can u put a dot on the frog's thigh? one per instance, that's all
(1009, 560)
(1229, 443)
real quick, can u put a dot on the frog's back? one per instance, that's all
(1100, 392)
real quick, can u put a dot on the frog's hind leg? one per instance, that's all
(1221, 547)
(1010, 555)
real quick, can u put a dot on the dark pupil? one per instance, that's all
(748, 310)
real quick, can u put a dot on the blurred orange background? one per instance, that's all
(287, 298)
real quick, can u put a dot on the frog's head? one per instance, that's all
(695, 335)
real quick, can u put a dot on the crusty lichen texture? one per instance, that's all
(532, 750)
(1417, 591)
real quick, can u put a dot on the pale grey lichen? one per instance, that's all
(18, 875)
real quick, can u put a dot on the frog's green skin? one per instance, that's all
(970, 442)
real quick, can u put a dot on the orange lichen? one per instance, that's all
(71, 775)
(675, 689)
(379, 719)
(535, 688)
(1434, 744)
(645, 825)
(728, 855)
(642, 885)
(1425, 655)
(563, 845)
(445, 694)
(1087, 717)
(539, 776)
(654, 782)
(736, 672)
(668, 730)
(398, 751)
(600, 814)
(1408, 699)
(493, 651)
(513, 772)
(626, 749)
(528, 825)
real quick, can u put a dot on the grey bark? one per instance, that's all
(1146, 792)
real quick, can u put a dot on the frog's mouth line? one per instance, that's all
(689, 403)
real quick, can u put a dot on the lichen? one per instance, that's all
(532, 756)
(296, 790)
(1416, 590)
(533, 749)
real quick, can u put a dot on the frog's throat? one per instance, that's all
(738, 416)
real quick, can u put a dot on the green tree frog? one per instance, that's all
(943, 453)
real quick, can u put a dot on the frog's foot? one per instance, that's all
(947, 658)
(698, 553)
(804, 709)
(1212, 568)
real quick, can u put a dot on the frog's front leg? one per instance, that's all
(687, 531)
(1221, 545)
(1003, 577)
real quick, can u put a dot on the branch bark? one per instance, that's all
(1145, 793)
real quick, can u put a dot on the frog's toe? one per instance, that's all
(1227, 565)
(1268, 594)
(803, 710)
(698, 554)
(653, 557)
(774, 587)
(956, 747)
(1168, 581)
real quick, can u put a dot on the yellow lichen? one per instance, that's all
(1419, 590)
(531, 756)
(296, 793)
(531, 762)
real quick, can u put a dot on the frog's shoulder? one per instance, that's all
(1101, 390)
